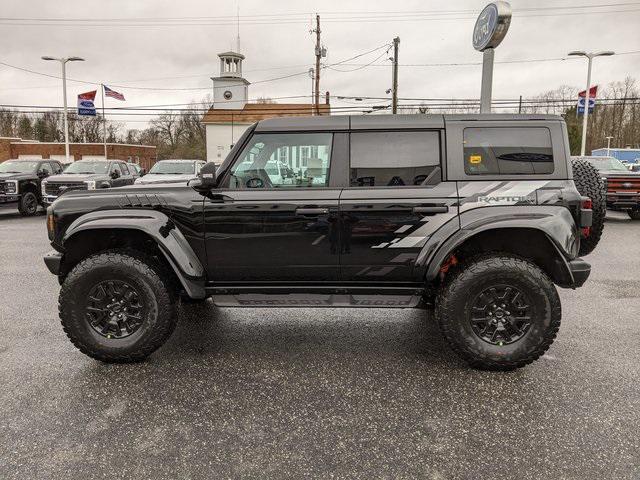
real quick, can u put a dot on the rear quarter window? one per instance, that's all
(507, 151)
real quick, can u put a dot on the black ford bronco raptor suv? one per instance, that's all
(476, 217)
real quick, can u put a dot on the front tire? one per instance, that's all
(28, 205)
(499, 312)
(116, 306)
(634, 214)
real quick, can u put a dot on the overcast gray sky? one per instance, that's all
(144, 51)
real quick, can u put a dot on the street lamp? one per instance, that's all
(64, 61)
(608, 145)
(585, 117)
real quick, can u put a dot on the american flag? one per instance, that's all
(112, 93)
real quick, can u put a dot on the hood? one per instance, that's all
(17, 176)
(164, 178)
(77, 177)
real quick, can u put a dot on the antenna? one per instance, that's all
(238, 26)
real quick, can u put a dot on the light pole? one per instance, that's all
(63, 61)
(608, 146)
(585, 117)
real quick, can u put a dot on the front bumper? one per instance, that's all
(9, 198)
(52, 260)
(623, 200)
(580, 271)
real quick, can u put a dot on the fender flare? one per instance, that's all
(555, 222)
(160, 228)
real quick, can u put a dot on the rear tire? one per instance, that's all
(116, 306)
(634, 214)
(28, 205)
(590, 184)
(498, 312)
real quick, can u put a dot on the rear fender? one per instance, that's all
(161, 229)
(555, 222)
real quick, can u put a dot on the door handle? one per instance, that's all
(312, 211)
(436, 209)
(220, 198)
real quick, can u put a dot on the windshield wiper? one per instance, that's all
(10, 171)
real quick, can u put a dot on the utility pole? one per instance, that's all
(316, 99)
(394, 88)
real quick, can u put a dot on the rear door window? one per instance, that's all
(507, 151)
(393, 159)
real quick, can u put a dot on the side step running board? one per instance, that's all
(316, 300)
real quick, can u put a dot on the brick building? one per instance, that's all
(143, 155)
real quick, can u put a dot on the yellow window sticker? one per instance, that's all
(475, 159)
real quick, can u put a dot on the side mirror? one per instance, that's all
(114, 174)
(207, 178)
(42, 174)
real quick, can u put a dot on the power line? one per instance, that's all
(303, 16)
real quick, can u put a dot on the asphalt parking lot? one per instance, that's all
(330, 393)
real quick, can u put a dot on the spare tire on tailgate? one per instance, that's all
(590, 184)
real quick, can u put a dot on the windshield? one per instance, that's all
(173, 168)
(87, 167)
(18, 167)
(607, 163)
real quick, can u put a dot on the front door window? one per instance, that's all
(290, 160)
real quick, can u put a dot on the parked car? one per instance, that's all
(172, 171)
(623, 185)
(136, 170)
(20, 182)
(87, 175)
(475, 217)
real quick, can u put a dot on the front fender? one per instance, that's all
(555, 222)
(161, 229)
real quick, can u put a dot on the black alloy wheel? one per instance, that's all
(28, 205)
(114, 309)
(501, 315)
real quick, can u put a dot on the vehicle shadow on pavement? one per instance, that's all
(208, 331)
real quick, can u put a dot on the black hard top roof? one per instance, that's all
(369, 122)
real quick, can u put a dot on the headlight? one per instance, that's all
(11, 186)
(91, 184)
(43, 188)
(51, 224)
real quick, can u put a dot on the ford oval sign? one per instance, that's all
(491, 26)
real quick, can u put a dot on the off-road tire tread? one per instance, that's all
(154, 274)
(477, 266)
(590, 184)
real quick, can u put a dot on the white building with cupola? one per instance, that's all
(232, 112)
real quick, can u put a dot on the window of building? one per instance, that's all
(393, 159)
(507, 151)
(273, 160)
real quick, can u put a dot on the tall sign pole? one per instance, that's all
(490, 29)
